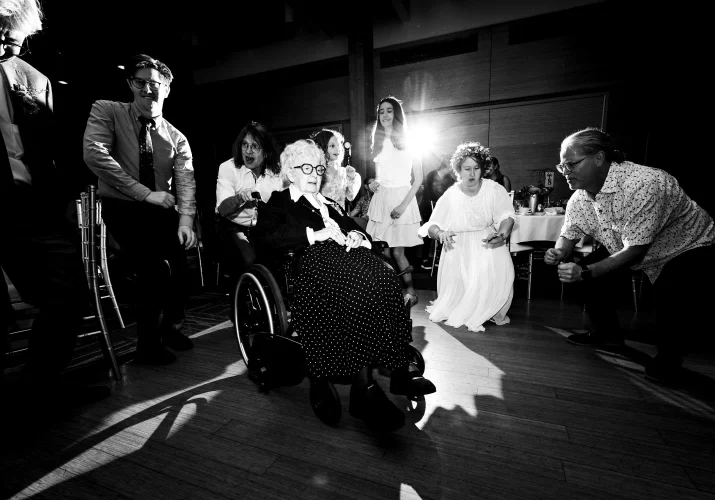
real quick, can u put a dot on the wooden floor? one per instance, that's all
(519, 413)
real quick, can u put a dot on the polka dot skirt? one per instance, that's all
(349, 311)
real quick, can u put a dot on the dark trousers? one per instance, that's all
(239, 252)
(147, 237)
(682, 299)
(41, 256)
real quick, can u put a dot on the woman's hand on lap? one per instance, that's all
(330, 233)
(354, 240)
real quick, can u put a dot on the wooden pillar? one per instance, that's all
(361, 90)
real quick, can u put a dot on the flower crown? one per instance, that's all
(473, 150)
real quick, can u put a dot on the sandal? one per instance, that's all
(411, 299)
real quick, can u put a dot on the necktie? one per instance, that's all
(146, 154)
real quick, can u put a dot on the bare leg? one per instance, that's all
(398, 254)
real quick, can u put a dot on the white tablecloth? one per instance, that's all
(537, 228)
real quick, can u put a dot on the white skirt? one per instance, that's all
(400, 232)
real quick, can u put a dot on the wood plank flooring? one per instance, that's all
(519, 413)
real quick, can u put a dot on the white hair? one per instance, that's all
(24, 16)
(297, 148)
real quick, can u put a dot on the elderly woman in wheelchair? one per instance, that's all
(347, 309)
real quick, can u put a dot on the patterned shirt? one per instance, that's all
(363, 205)
(340, 183)
(640, 205)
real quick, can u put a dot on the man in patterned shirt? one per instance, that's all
(145, 168)
(642, 220)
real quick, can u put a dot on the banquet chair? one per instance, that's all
(435, 249)
(523, 271)
(89, 220)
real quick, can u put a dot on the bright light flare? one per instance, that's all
(421, 139)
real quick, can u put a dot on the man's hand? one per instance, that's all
(187, 237)
(245, 195)
(161, 199)
(354, 240)
(330, 233)
(569, 273)
(553, 256)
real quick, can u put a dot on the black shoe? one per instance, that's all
(594, 340)
(410, 384)
(157, 356)
(664, 369)
(372, 405)
(177, 341)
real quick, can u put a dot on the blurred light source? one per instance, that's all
(62, 82)
(421, 139)
(120, 66)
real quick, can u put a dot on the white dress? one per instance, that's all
(475, 282)
(394, 171)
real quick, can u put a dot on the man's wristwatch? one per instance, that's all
(585, 273)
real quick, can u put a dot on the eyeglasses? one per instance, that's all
(139, 83)
(307, 168)
(567, 167)
(254, 148)
(13, 48)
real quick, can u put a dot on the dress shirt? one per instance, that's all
(11, 135)
(231, 180)
(111, 150)
(640, 205)
(321, 204)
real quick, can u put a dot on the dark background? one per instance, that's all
(659, 102)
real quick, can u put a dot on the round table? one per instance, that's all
(537, 228)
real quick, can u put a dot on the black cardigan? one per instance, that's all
(282, 222)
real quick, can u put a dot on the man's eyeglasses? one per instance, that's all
(14, 48)
(567, 167)
(139, 83)
(254, 148)
(307, 168)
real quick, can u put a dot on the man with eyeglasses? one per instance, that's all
(643, 220)
(40, 249)
(251, 176)
(145, 168)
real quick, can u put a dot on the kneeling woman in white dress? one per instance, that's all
(475, 282)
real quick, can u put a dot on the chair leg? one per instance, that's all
(528, 286)
(635, 296)
(105, 271)
(434, 259)
(201, 266)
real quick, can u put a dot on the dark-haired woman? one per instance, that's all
(253, 171)
(394, 215)
(493, 172)
(340, 183)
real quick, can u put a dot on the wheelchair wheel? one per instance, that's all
(415, 356)
(259, 310)
(325, 401)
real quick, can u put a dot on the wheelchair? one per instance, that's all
(271, 348)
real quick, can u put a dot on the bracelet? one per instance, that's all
(439, 231)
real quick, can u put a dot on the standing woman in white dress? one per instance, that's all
(393, 215)
(473, 220)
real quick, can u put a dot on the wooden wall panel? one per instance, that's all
(528, 136)
(438, 83)
(549, 66)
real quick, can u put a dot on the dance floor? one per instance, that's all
(519, 413)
